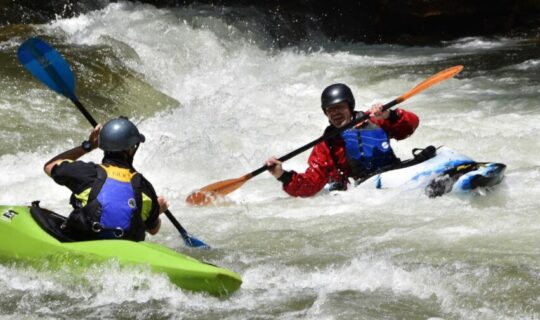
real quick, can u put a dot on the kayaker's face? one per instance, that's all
(339, 114)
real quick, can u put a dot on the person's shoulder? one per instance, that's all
(400, 112)
(146, 185)
(74, 174)
(76, 165)
(143, 179)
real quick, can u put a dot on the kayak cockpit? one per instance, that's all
(51, 222)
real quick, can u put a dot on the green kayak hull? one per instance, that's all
(21, 238)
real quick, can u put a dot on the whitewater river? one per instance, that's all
(215, 98)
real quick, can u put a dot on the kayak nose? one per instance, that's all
(495, 169)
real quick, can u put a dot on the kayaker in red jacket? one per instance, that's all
(355, 153)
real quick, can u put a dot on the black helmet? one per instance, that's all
(336, 93)
(119, 134)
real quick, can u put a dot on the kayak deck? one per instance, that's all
(22, 238)
(444, 172)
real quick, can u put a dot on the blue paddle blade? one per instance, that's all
(48, 66)
(193, 242)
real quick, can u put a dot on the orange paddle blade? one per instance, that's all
(434, 79)
(211, 192)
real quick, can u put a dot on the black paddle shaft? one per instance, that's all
(328, 136)
(177, 224)
(85, 113)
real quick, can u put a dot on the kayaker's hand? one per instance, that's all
(163, 205)
(358, 115)
(94, 136)
(377, 112)
(275, 167)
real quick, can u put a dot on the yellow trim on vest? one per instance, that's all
(146, 207)
(83, 196)
(120, 174)
(64, 160)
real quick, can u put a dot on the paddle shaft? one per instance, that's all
(83, 110)
(178, 226)
(323, 138)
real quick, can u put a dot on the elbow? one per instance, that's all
(47, 168)
(155, 229)
(416, 123)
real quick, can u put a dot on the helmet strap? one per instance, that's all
(131, 151)
(124, 157)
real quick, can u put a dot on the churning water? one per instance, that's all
(215, 99)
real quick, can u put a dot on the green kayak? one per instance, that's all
(31, 233)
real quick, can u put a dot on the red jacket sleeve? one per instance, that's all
(321, 170)
(400, 128)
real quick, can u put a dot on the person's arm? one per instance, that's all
(73, 154)
(397, 123)
(163, 206)
(152, 207)
(310, 182)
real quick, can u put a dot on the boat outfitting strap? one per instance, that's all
(419, 155)
(96, 188)
(116, 232)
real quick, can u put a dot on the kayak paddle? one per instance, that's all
(48, 66)
(189, 240)
(209, 193)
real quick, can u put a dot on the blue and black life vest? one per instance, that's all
(113, 207)
(367, 149)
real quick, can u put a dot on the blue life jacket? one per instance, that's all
(117, 199)
(112, 208)
(367, 149)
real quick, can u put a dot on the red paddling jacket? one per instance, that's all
(328, 161)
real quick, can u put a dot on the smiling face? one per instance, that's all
(339, 114)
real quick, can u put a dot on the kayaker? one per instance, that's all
(110, 200)
(355, 153)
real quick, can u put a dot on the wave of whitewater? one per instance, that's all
(215, 99)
